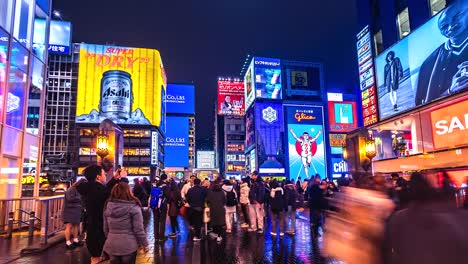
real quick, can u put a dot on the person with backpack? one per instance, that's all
(277, 205)
(291, 196)
(231, 204)
(159, 198)
(257, 200)
(216, 200)
(196, 200)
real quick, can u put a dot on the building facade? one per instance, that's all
(23, 59)
(413, 71)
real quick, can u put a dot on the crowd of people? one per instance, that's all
(368, 219)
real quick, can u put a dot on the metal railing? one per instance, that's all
(43, 213)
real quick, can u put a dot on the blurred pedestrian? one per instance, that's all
(123, 226)
(206, 183)
(231, 204)
(95, 192)
(71, 216)
(244, 201)
(159, 199)
(216, 200)
(257, 200)
(146, 184)
(278, 206)
(140, 193)
(291, 196)
(316, 204)
(430, 230)
(399, 191)
(175, 202)
(196, 199)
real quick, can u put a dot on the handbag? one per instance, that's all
(183, 211)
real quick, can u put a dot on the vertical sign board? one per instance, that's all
(306, 141)
(231, 98)
(367, 77)
(154, 148)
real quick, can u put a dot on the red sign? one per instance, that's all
(342, 116)
(450, 126)
(231, 98)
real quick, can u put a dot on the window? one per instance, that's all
(403, 23)
(3, 58)
(437, 5)
(15, 101)
(39, 36)
(378, 42)
(22, 27)
(34, 99)
(6, 12)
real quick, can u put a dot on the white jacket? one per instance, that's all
(244, 193)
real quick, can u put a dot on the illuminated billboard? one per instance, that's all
(249, 129)
(303, 79)
(205, 159)
(428, 64)
(366, 77)
(342, 116)
(176, 146)
(269, 128)
(306, 141)
(180, 98)
(121, 84)
(267, 78)
(231, 98)
(249, 86)
(450, 126)
(60, 37)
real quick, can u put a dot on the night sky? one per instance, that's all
(201, 40)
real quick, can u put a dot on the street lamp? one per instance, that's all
(102, 145)
(371, 152)
(345, 154)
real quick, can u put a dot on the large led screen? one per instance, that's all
(176, 146)
(306, 142)
(303, 79)
(231, 98)
(60, 37)
(249, 129)
(180, 99)
(267, 78)
(249, 86)
(432, 62)
(269, 128)
(119, 83)
(342, 116)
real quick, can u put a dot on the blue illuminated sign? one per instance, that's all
(176, 146)
(60, 37)
(339, 165)
(267, 78)
(180, 99)
(306, 142)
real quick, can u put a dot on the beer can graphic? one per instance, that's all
(116, 95)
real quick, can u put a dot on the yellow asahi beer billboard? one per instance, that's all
(123, 84)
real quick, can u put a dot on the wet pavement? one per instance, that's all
(237, 247)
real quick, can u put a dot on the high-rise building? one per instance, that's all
(23, 59)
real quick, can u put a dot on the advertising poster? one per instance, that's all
(269, 128)
(250, 129)
(176, 146)
(450, 126)
(306, 142)
(430, 63)
(231, 98)
(253, 160)
(340, 167)
(180, 99)
(249, 86)
(205, 159)
(366, 77)
(121, 84)
(342, 116)
(60, 37)
(337, 140)
(267, 78)
(302, 79)
(154, 148)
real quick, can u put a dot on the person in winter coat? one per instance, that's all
(160, 197)
(196, 199)
(123, 226)
(174, 203)
(257, 199)
(291, 196)
(140, 193)
(95, 192)
(231, 204)
(71, 216)
(316, 204)
(278, 205)
(146, 184)
(216, 200)
(430, 230)
(244, 201)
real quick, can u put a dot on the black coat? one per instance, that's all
(216, 200)
(140, 193)
(196, 197)
(95, 195)
(316, 198)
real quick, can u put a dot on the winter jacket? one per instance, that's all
(123, 227)
(140, 193)
(173, 207)
(257, 192)
(277, 204)
(216, 201)
(196, 197)
(244, 193)
(316, 198)
(226, 189)
(291, 195)
(185, 190)
(72, 206)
